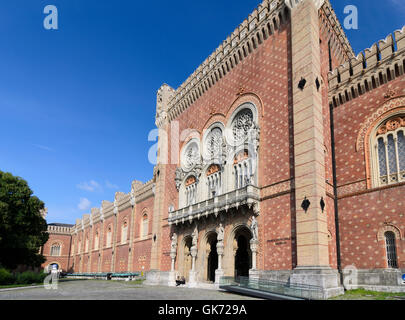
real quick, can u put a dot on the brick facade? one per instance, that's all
(306, 135)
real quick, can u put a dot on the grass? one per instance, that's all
(19, 285)
(362, 294)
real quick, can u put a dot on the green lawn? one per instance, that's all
(362, 294)
(19, 285)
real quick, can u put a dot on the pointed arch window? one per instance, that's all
(86, 247)
(109, 237)
(124, 232)
(389, 152)
(96, 239)
(144, 225)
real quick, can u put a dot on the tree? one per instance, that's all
(22, 228)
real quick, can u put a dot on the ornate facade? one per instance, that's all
(281, 157)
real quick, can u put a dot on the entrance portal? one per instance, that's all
(212, 264)
(243, 256)
(187, 263)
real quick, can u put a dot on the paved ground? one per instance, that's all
(115, 290)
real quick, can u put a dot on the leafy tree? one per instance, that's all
(22, 228)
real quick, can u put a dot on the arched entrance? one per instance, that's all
(243, 254)
(52, 266)
(187, 258)
(212, 263)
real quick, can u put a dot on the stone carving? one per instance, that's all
(391, 106)
(220, 233)
(191, 156)
(391, 125)
(179, 175)
(242, 124)
(214, 143)
(254, 229)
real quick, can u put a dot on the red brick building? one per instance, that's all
(281, 157)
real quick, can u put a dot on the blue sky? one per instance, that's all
(77, 103)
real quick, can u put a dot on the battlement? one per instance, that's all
(377, 65)
(139, 192)
(263, 22)
(59, 229)
(260, 24)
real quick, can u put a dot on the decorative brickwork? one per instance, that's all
(276, 130)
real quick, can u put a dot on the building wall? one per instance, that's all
(63, 260)
(363, 210)
(264, 73)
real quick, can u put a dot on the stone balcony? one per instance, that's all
(249, 195)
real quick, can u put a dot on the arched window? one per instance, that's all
(388, 152)
(391, 249)
(191, 191)
(96, 240)
(243, 169)
(144, 226)
(244, 137)
(87, 244)
(124, 232)
(214, 180)
(55, 249)
(109, 237)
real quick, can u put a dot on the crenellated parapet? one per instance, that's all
(59, 229)
(139, 192)
(246, 38)
(377, 65)
(332, 30)
(145, 191)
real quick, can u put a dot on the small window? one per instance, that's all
(243, 170)
(109, 237)
(391, 249)
(124, 232)
(96, 240)
(145, 225)
(191, 191)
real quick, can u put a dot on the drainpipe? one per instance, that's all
(335, 193)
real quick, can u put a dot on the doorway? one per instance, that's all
(243, 256)
(188, 260)
(212, 263)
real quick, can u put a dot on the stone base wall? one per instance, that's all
(384, 280)
(156, 277)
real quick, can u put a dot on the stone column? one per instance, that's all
(219, 272)
(309, 159)
(192, 282)
(173, 253)
(172, 274)
(253, 246)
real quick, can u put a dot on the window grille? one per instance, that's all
(391, 249)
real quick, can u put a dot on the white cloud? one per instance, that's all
(84, 204)
(42, 147)
(110, 185)
(89, 186)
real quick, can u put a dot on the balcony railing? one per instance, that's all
(248, 195)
